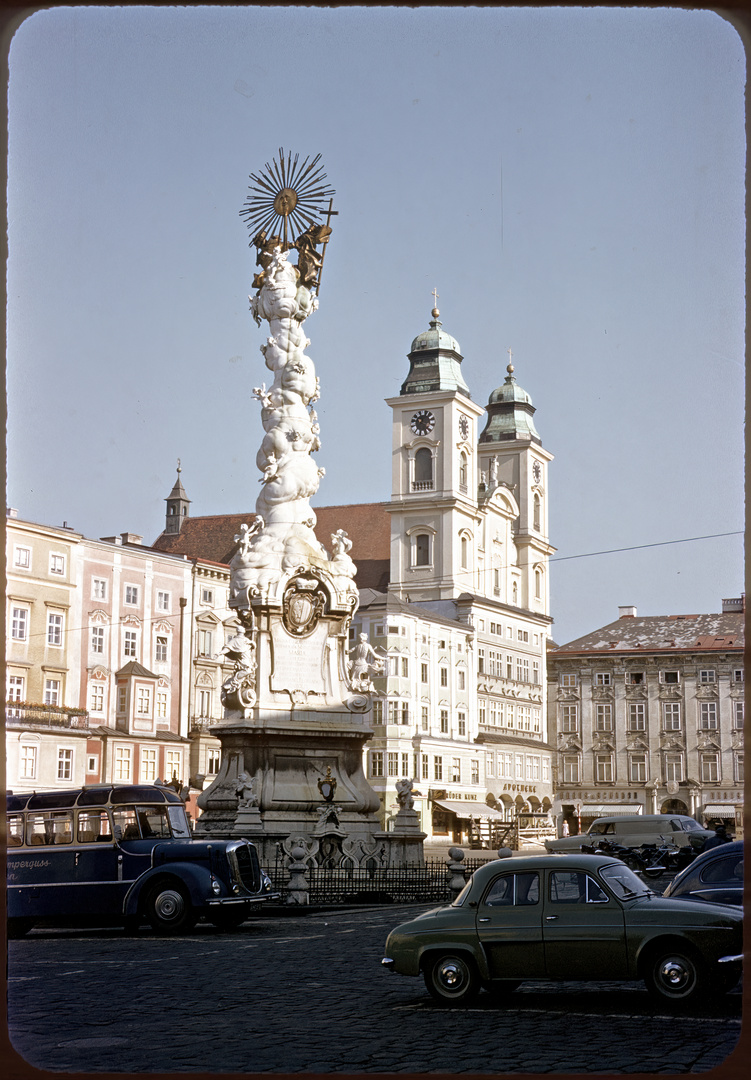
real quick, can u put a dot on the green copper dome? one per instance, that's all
(510, 412)
(434, 362)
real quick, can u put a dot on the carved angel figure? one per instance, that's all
(365, 663)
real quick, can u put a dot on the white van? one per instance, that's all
(633, 830)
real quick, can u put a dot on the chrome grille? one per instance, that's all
(245, 867)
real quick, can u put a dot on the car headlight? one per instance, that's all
(216, 888)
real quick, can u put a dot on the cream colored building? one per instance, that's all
(649, 713)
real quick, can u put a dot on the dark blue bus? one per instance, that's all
(123, 854)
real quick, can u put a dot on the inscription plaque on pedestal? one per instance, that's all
(298, 663)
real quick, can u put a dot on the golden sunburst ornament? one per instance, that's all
(287, 196)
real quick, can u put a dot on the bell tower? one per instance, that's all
(434, 471)
(511, 453)
(177, 505)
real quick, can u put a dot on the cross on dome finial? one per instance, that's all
(178, 466)
(435, 312)
(510, 367)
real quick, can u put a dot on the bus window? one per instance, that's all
(126, 819)
(93, 825)
(179, 822)
(15, 830)
(153, 822)
(51, 828)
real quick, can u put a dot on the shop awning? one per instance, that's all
(588, 809)
(719, 810)
(466, 808)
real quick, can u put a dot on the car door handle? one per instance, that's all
(550, 918)
(484, 919)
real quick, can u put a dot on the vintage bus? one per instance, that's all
(123, 854)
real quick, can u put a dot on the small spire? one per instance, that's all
(179, 470)
(435, 312)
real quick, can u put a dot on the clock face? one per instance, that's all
(422, 422)
(464, 427)
(537, 472)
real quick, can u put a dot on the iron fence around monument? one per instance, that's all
(428, 884)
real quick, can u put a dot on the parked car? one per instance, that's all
(717, 876)
(123, 854)
(633, 830)
(567, 917)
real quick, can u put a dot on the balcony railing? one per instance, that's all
(203, 723)
(52, 716)
(422, 485)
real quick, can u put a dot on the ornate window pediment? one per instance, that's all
(708, 741)
(163, 627)
(99, 673)
(603, 742)
(637, 742)
(204, 679)
(603, 693)
(99, 618)
(131, 620)
(207, 618)
(671, 742)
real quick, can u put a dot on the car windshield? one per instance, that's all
(689, 825)
(623, 882)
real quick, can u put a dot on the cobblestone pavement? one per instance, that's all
(307, 994)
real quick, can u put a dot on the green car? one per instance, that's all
(567, 917)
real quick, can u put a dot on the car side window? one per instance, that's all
(514, 889)
(724, 870)
(575, 887)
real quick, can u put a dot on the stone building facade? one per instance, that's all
(648, 713)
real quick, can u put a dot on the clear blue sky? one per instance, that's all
(570, 180)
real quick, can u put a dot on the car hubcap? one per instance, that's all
(675, 974)
(169, 905)
(451, 975)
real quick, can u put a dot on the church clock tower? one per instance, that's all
(434, 472)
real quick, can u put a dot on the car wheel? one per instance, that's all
(452, 979)
(228, 918)
(674, 975)
(169, 910)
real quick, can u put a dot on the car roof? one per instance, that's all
(734, 847)
(545, 862)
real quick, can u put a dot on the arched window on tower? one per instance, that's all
(538, 584)
(536, 513)
(514, 594)
(423, 470)
(462, 471)
(464, 543)
(422, 549)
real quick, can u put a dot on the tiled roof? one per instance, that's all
(134, 668)
(161, 734)
(660, 633)
(368, 526)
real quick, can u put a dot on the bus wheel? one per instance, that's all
(18, 928)
(169, 910)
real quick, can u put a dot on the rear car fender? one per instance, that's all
(197, 880)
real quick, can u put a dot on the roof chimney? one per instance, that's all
(131, 538)
(626, 612)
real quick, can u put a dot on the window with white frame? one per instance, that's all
(738, 767)
(569, 718)
(444, 676)
(637, 768)
(123, 757)
(161, 704)
(637, 716)
(482, 709)
(707, 676)
(393, 712)
(122, 699)
(674, 767)
(604, 717)
(405, 667)
(212, 762)
(405, 713)
(738, 715)
(522, 635)
(22, 558)
(528, 776)
(603, 768)
(456, 770)
(545, 769)
(519, 766)
(64, 764)
(444, 714)
(16, 687)
(423, 673)
(99, 588)
(377, 712)
(603, 678)
(536, 672)
(130, 643)
(174, 764)
(162, 601)
(204, 703)
(571, 768)
(522, 669)
(392, 760)
(423, 470)
(710, 768)
(92, 764)
(424, 766)
(54, 628)
(203, 642)
(148, 765)
(490, 764)
(131, 594)
(569, 679)
(376, 763)
(474, 766)
(207, 596)
(28, 763)
(461, 683)
(634, 678)
(506, 765)
(143, 701)
(538, 584)
(425, 724)
(670, 677)
(464, 547)
(421, 549)
(438, 767)
(737, 675)
(671, 715)
(19, 624)
(708, 715)
(160, 649)
(51, 691)
(97, 639)
(57, 564)
(96, 697)
(461, 723)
